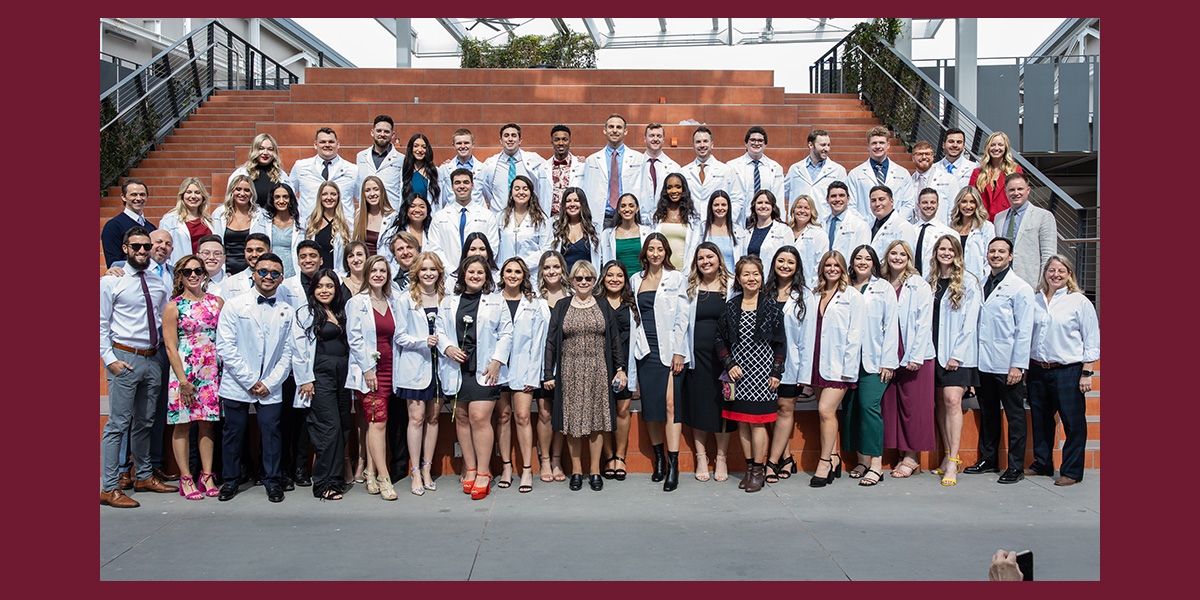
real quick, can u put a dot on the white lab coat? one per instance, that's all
(360, 333)
(1006, 326)
(304, 352)
(798, 181)
(219, 221)
(958, 329)
(812, 244)
(852, 232)
(945, 184)
(932, 234)
(181, 239)
(446, 190)
(254, 344)
(896, 228)
(595, 181)
(530, 328)
(390, 172)
(801, 337)
(778, 236)
(975, 250)
(523, 240)
(493, 178)
(414, 371)
(694, 239)
(652, 186)
(494, 332)
(914, 311)
(608, 244)
(443, 231)
(841, 335)
(717, 176)
(672, 329)
(305, 178)
(771, 177)
(962, 173)
(861, 179)
(881, 330)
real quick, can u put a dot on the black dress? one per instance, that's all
(235, 250)
(470, 390)
(702, 401)
(652, 374)
(324, 239)
(962, 376)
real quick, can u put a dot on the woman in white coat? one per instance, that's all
(786, 285)
(907, 404)
(414, 217)
(530, 317)
(320, 364)
(623, 241)
(880, 336)
(837, 352)
(263, 166)
(810, 239)
(475, 332)
(327, 225)
(719, 229)
(969, 218)
(956, 301)
(279, 220)
(709, 284)
(524, 228)
(661, 342)
(371, 317)
(676, 218)
(232, 222)
(551, 287)
(189, 220)
(765, 231)
(374, 216)
(416, 372)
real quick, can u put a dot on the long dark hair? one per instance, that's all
(292, 209)
(402, 221)
(626, 291)
(410, 166)
(852, 273)
(562, 225)
(752, 219)
(710, 216)
(460, 286)
(478, 235)
(645, 262)
(771, 287)
(317, 310)
(637, 214)
(525, 288)
(687, 208)
(536, 216)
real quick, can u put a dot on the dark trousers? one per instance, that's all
(397, 435)
(994, 393)
(237, 418)
(295, 433)
(329, 421)
(1056, 391)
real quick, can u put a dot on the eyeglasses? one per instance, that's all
(757, 141)
(583, 278)
(191, 272)
(271, 274)
(207, 253)
(136, 247)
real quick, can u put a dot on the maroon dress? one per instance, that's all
(375, 405)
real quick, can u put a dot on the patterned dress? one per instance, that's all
(584, 373)
(754, 401)
(198, 349)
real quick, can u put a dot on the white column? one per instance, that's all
(966, 62)
(904, 40)
(252, 33)
(404, 43)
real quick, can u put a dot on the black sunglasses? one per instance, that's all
(139, 246)
(190, 272)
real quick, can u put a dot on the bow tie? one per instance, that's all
(265, 300)
(562, 162)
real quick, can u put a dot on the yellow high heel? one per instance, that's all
(938, 469)
(955, 480)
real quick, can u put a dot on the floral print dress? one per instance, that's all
(198, 350)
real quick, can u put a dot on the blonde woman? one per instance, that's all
(327, 226)
(189, 220)
(232, 221)
(374, 216)
(988, 178)
(263, 166)
(551, 287)
(708, 285)
(417, 383)
(969, 218)
(811, 241)
(956, 302)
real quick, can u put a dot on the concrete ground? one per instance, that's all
(902, 529)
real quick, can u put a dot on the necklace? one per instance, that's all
(577, 304)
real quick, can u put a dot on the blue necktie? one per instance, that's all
(757, 178)
(462, 227)
(512, 170)
(833, 223)
(950, 168)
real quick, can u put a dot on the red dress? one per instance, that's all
(375, 405)
(994, 197)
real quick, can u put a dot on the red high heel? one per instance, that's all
(210, 489)
(195, 495)
(468, 482)
(479, 493)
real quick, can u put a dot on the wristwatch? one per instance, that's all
(1086, 373)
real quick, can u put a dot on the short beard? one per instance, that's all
(131, 260)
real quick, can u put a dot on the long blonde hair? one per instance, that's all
(1072, 284)
(229, 203)
(340, 228)
(275, 173)
(360, 219)
(181, 210)
(981, 214)
(987, 173)
(822, 283)
(812, 212)
(414, 284)
(909, 269)
(957, 269)
(694, 277)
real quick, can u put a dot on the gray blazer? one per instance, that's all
(1036, 241)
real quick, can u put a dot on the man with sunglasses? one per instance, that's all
(257, 245)
(252, 342)
(130, 316)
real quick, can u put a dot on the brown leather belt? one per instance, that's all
(150, 352)
(1047, 365)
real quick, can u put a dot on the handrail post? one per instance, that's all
(229, 58)
(174, 98)
(249, 68)
(195, 68)
(212, 45)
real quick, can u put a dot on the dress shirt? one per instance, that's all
(139, 219)
(879, 167)
(994, 280)
(1066, 329)
(447, 190)
(663, 165)
(608, 156)
(770, 177)
(305, 178)
(814, 169)
(879, 224)
(444, 230)
(1015, 214)
(565, 174)
(123, 318)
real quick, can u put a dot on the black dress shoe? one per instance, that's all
(576, 482)
(597, 482)
(275, 493)
(302, 478)
(288, 484)
(983, 466)
(228, 491)
(1011, 476)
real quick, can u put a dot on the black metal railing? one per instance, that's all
(141, 109)
(916, 108)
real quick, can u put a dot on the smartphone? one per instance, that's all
(1025, 563)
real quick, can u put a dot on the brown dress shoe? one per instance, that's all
(153, 485)
(1065, 481)
(162, 475)
(117, 499)
(125, 481)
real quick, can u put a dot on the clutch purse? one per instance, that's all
(727, 386)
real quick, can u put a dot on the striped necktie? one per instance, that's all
(757, 178)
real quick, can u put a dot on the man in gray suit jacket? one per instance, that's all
(1033, 232)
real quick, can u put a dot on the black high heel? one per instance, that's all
(660, 463)
(786, 467)
(837, 471)
(672, 479)
(818, 481)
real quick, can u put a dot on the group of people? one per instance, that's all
(495, 282)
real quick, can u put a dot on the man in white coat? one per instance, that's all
(706, 175)
(878, 170)
(755, 171)
(452, 224)
(956, 162)
(811, 177)
(656, 165)
(1032, 230)
(847, 230)
(614, 170)
(256, 356)
(308, 174)
(464, 148)
(1005, 336)
(929, 229)
(499, 171)
(889, 223)
(566, 169)
(382, 159)
(929, 175)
